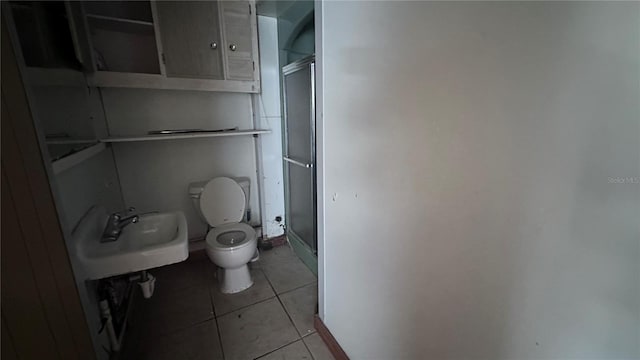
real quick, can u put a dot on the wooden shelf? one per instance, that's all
(157, 81)
(68, 141)
(76, 158)
(119, 20)
(114, 24)
(132, 138)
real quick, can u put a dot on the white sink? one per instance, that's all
(157, 239)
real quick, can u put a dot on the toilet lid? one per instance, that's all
(222, 202)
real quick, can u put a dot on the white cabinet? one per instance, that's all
(191, 42)
(121, 37)
(240, 42)
(190, 45)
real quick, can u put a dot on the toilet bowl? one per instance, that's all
(230, 243)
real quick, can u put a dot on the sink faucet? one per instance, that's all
(116, 223)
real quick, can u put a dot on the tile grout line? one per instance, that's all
(215, 319)
(183, 328)
(219, 338)
(284, 292)
(285, 311)
(294, 326)
(277, 295)
(307, 347)
(297, 288)
(245, 306)
(285, 308)
(281, 347)
(289, 316)
(281, 304)
(209, 285)
(216, 316)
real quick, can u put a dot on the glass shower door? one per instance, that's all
(299, 152)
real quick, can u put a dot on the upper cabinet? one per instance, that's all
(43, 32)
(191, 45)
(240, 41)
(191, 40)
(122, 37)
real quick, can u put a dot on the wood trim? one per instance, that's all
(329, 340)
(158, 36)
(255, 51)
(223, 41)
(276, 240)
(76, 158)
(254, 40)
(157, 81)
(41, 309)
(159, 137)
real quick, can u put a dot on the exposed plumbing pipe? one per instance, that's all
(107, 320)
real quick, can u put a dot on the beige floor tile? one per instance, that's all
(226, 303)
(189, 273)
(295, 351)
(284, 269)
(198, 342)
(167, 312)
(255, 330)
(300, 304)
(317, 347)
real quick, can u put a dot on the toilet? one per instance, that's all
(230, 243)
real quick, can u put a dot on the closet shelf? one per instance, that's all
(132, 138)
(76, 158)
(119, 19)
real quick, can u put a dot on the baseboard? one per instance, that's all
(197, 245)
(276, 240)
(329, 340)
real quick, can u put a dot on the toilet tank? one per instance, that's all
(195, 189)
(245, 184)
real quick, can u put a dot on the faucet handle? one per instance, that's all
(119, 215)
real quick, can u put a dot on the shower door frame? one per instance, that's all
(307, 252)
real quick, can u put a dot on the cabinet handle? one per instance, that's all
(213, 45)
(233, 47)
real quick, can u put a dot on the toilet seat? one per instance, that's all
(230, 237)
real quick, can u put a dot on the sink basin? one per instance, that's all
(157, 239)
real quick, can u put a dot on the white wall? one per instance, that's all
(73, 121)
(78, 112)
(92, 182)
(155, 175)
(468, 151)
(270, 117)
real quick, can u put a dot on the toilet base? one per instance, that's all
(233, 281)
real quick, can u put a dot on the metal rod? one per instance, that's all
(295, 162)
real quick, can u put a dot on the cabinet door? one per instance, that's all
(190, 35)
(239, 28)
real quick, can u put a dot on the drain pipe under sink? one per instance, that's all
(107, 321)
(147, 284)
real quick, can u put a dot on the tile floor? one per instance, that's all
(188, 317)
